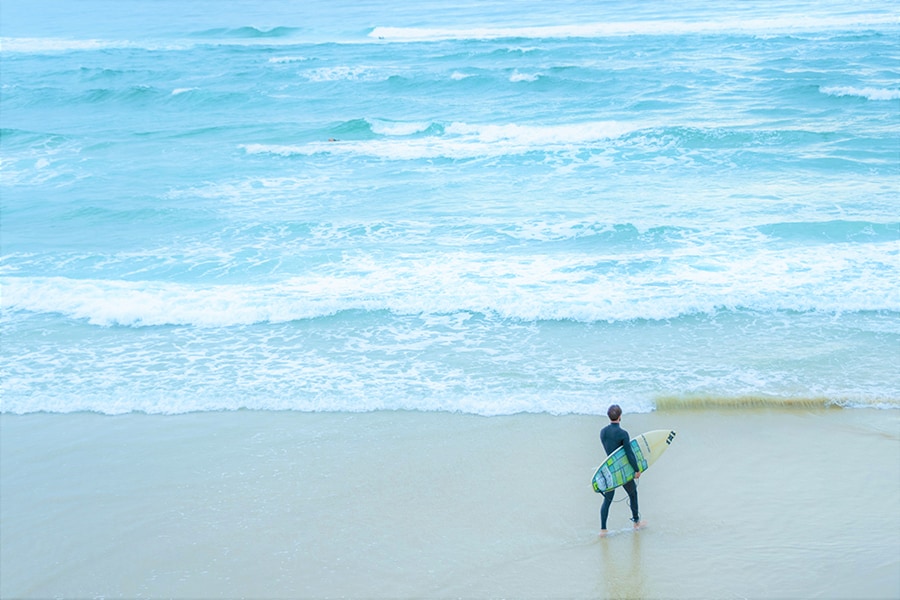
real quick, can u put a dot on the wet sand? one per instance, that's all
(758, 503)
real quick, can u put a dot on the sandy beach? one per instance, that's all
(753, 503)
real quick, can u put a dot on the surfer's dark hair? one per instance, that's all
(614, 412)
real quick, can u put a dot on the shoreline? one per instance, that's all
(663, 404)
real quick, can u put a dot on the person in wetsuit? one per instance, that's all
(612, 436)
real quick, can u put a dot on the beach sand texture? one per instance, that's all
(750, 502)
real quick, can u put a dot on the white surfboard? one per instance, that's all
(615, 470)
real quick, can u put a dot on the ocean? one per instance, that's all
(526, 207)
(487, 210)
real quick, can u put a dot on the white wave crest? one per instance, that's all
(461, 140)
(527, 77)
(763, 26)
(578, 287)
(342, 73)
(13, 44)
(398, 128)
(288, 59)
(53, 45)
(868, 93)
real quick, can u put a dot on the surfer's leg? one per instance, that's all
(631, 489)
(604, 510)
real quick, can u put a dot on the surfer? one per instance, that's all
(612, 436)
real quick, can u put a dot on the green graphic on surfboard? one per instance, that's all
(616, 471)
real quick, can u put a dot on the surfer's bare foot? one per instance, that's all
(640, 524)
(604, 533)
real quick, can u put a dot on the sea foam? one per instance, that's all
(459, 140)
(575, 286)
(752, 26)
(869, 93)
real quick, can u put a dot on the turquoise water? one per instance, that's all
(490, 208)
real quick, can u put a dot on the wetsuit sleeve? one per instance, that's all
(632, 459)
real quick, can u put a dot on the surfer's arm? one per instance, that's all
(632, 459)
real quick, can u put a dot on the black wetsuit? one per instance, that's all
(612, 436)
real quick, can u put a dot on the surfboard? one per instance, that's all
(615, 469)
